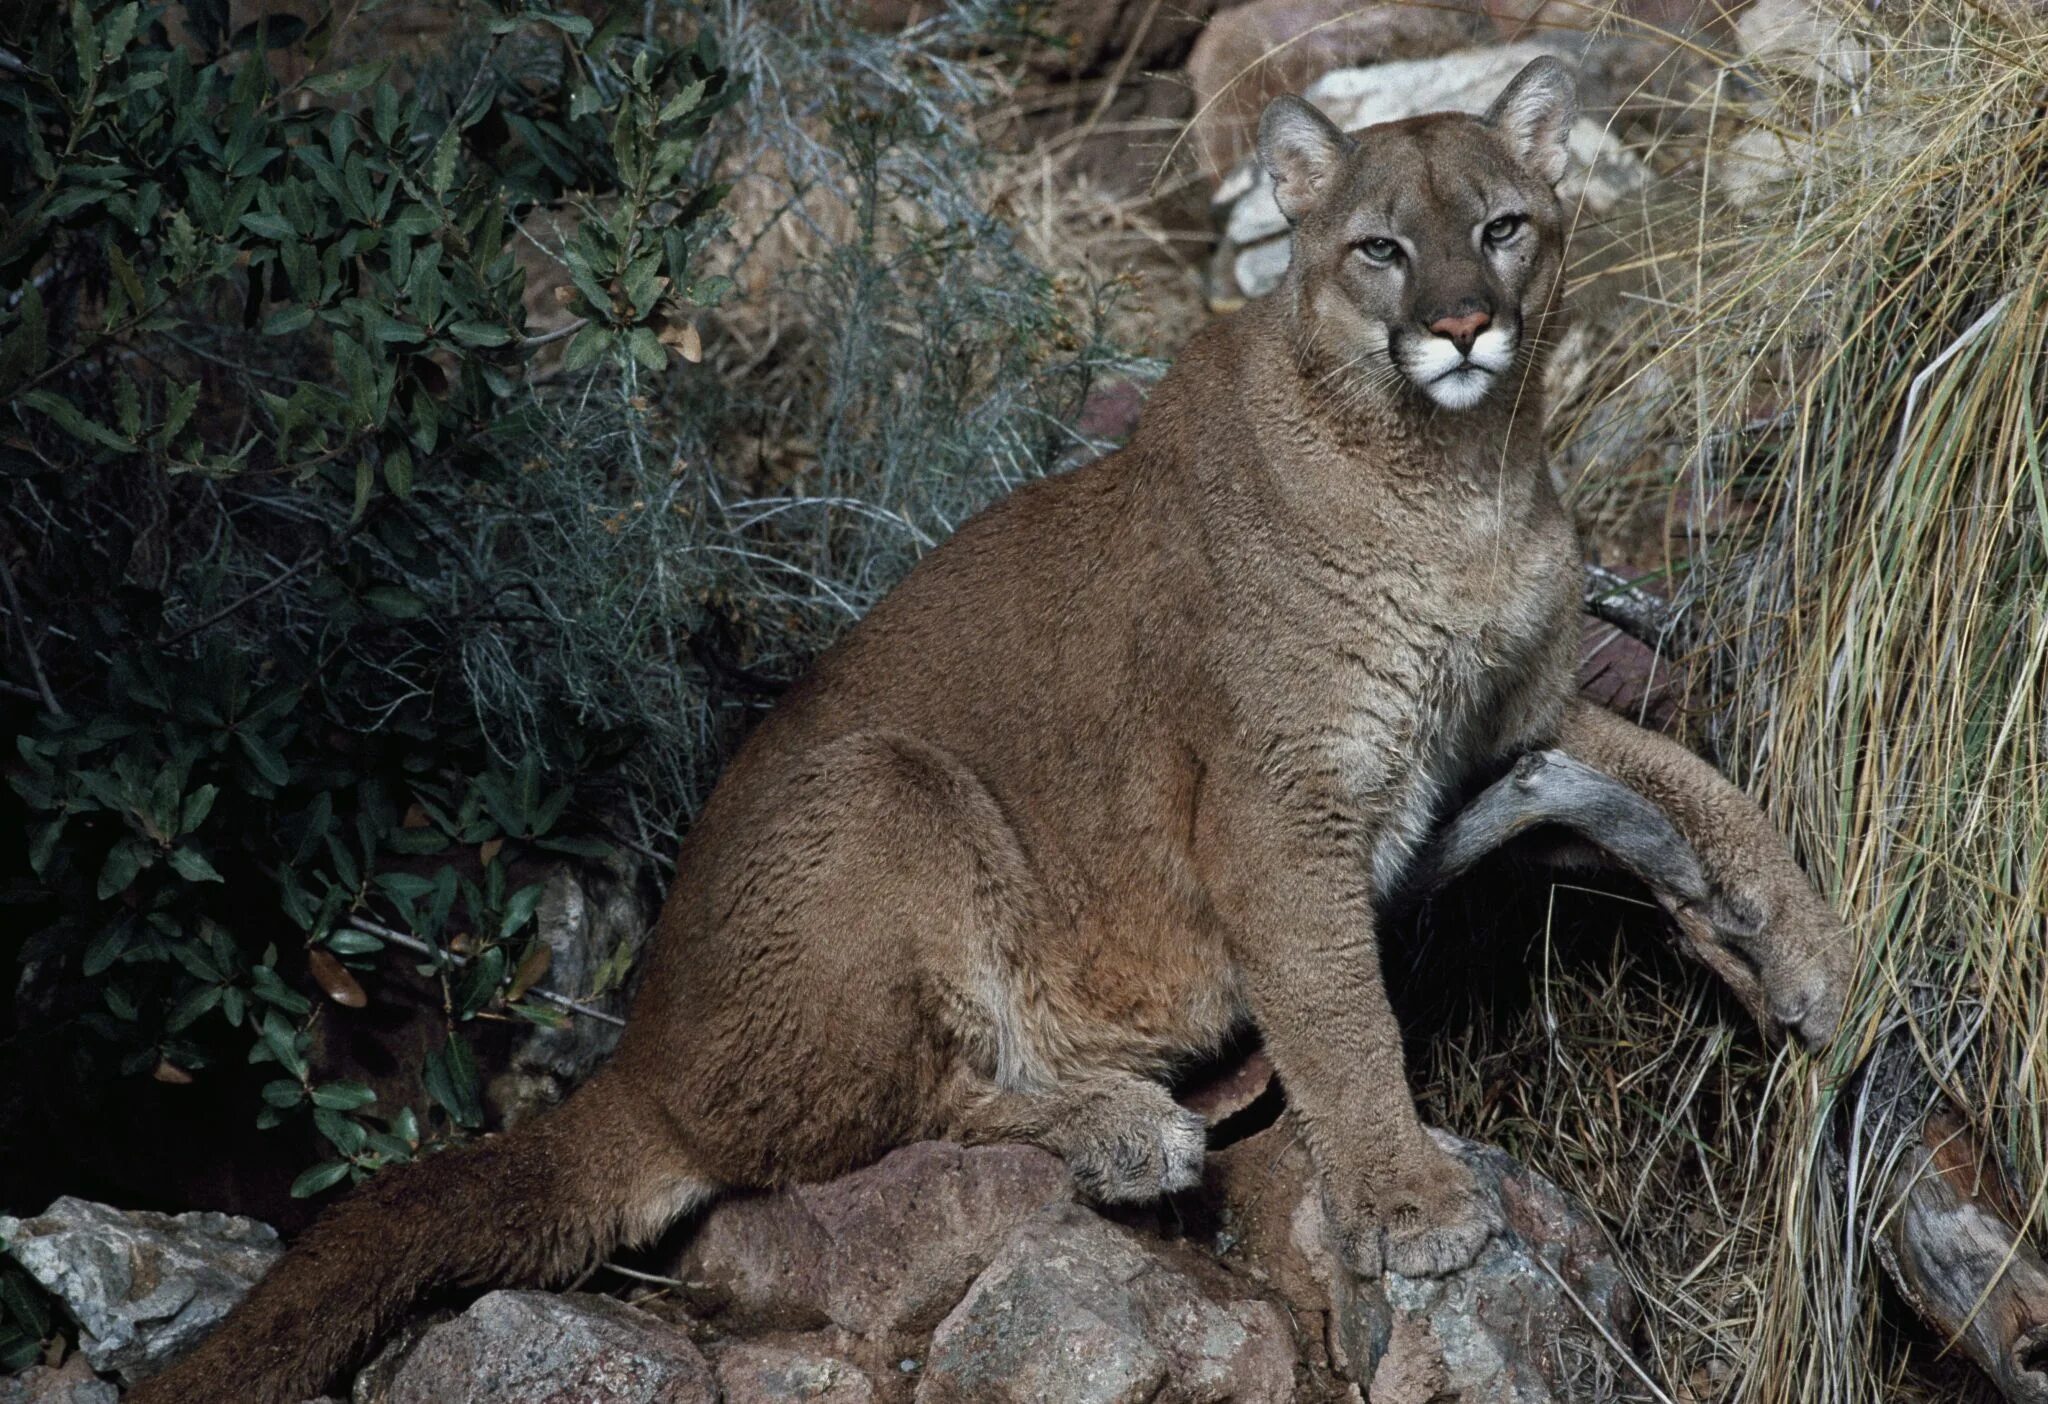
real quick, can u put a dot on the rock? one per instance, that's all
(1758, 163)
(143, 1287)
(1497, 1331)
(1799, 37)
(1602, 172)
(1249, 55)
(1078, 1309)
(593, 923)
(753, 1372)
(540, 1348)
(73, 1382)
(882, 1253)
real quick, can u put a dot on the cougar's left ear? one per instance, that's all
(1534, 116)
(1301, 149)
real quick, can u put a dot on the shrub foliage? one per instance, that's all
(264, 355)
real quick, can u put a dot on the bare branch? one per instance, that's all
(415, 944)
(1613, 598)
(1950, 1244)
(28, 642)
(1550, 787)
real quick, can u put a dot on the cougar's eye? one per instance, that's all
(1380, 252)
(1499, 231)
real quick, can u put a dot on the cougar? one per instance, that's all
(1120, 771)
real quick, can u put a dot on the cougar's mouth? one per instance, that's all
(1457, 379)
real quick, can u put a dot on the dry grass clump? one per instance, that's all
(1851, 371)
(1883, 625)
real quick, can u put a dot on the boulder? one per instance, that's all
(541, 1348)
(143, 1287)
(756, 1372)
(1078, 1309)
(73, 1382)
(593, 923)
(1498, 1331)
(881, 1253)
(1249, 55)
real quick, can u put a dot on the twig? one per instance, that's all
(1606, 1334)
(648, 1277)
(256, 594)
(28, 642)
(414, 943)
(1613, 598)
(557, 334)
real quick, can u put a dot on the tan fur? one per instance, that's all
(1120, 769)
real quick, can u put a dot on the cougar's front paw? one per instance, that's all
(1784, 953)
(1428, 1223)
(1135, 1143)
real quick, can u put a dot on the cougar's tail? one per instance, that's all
(535, 1204)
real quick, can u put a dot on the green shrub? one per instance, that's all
(264, 361)
(333, 589)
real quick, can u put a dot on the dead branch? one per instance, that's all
(1948, 1234)
(1613, 598)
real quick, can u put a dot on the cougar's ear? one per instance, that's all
(1534, 116)
(1301, 149)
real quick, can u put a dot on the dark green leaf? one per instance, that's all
(352, 79)
(320, 1177)
(192, 866)
(286, 320)
(128, 858)
(480, 333)
(343, 1096)
(269, 763)
(451, 1081)
(270, 226)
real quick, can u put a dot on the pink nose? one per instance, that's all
(1461, 330)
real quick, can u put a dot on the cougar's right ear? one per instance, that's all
(1301, 149)
(1535, 115)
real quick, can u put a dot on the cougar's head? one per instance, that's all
(1427, 251)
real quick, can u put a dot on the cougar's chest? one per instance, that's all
(1468, 647)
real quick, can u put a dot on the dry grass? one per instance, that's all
(1847, 394)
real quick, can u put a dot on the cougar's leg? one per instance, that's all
(852, 940)
(1792, 946)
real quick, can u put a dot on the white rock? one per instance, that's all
(1801, 37)
(143, 1287)
(1748, 169)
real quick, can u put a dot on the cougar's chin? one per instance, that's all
(1461, 387)
(1456, 380)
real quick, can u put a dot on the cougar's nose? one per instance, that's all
(1462, 329)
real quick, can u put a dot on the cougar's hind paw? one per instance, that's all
(1145, 1147)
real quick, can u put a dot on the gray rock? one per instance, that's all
(70, 1383)
(143, 1287)
(593, 922)
(882, 1253)
(1498, 1330)
(1078, 1309)
(754, 1372)
(540, 1348)
(1502, 1331)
